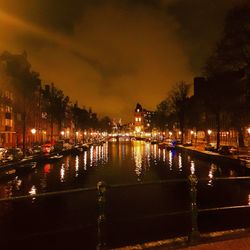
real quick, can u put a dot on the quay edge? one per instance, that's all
(212, 156)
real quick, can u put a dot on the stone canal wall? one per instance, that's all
(212, 156)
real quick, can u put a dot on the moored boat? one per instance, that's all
(26, 167)
(54, 158)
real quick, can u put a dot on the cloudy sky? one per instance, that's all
(111, 54)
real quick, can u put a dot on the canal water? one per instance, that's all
(135, 213)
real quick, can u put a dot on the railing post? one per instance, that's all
(101, 221)
(195, 234)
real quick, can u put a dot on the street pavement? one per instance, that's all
(226, 240)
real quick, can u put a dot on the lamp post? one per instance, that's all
(33, 132)
(170, 134)
(62, 134)
(227, 137)
(209, 132)
(192, 134)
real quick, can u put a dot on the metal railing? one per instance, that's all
(102, 187)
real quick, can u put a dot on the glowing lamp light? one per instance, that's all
(209, 132)
(248, 130)
(179, 133)
(191, 132)
(62, 133)
(170, 133)
(33, 131)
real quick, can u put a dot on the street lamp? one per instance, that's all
(33, 132)
(170, 134)
(209, 132)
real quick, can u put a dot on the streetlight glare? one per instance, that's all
(33, 131)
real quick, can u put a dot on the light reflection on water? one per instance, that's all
(77, 165)
(192, 168)
(211, 173)
(62, 173)
(170, 155)
(180, 162)
(116, 163)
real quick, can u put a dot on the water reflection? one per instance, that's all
(47, 168)
(117, 162)
(91, 155)
(76, 165)
(164, 155)
(85, 160)
(211, 173)
(33, 192)
(62, 173)
(180, 162)
(154, 153)
(138, 152)
(192, 168)
(170, 159)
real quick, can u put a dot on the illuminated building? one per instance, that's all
(6, 118)
(138, 119)
(142, 120)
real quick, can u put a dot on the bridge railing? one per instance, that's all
(102, 200)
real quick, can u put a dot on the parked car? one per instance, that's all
(2, 153)
(188, 144)
(37, 150)
(47, 148)
(62, 145)
(228, 150)
(13, 154)
(210, 147)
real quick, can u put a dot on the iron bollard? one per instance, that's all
(101, 221)
(195, 234)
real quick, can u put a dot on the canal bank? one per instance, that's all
(9, 168)
(241, 161)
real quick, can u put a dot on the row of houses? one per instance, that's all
(38, 127)
(211, 108)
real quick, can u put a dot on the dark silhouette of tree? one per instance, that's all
(227, 67)
(24, 83)
(161, 115)
(105, 124)
(232, 52)
(178, 100)
(55, 105)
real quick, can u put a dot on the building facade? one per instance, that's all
(7, 133)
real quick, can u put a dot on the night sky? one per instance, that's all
(112, 54)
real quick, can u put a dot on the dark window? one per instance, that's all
(7, 128)
(7, 115)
